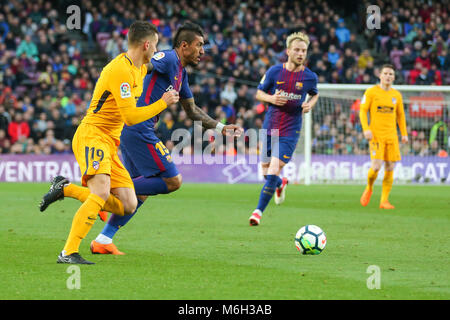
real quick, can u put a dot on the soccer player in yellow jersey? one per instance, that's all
(95, 143)
(385, 106)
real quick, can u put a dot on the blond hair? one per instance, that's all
(297, 36)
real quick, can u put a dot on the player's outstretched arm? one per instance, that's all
(197, 114)
(132, 115)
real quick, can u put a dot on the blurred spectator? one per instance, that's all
(333, 55)
(115, 45)
(8, 99)
(407, 59)
(229, 93)
(4, 142)
(242, 99)
(423, 77)
(342, 32)
(353, 44)
(18, 128)
(439, 134)
(5, 118)
(424, 59)
(394, 42)
(165, 127)
(364, 58)
(28, 48)
(414, 74)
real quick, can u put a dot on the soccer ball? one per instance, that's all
(310, 239)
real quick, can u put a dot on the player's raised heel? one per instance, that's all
(280, 193)
(55, 193)
(103, 215)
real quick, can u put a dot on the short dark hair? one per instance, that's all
(187, 32)
(139, 30)
(388, 65)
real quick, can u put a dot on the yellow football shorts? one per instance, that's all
(96, 153)
(387, 150)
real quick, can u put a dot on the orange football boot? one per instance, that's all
(98, 248)
(386, 205)
(365, 198)
(103, 215)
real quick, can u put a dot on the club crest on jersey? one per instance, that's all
(298, 85)
(95, 165)
(394, 101)
(159, 55)
(125, 90)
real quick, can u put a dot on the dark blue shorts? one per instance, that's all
(146, 156)
(278, 147)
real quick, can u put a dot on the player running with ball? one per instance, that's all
(284, 87)
(385, 106)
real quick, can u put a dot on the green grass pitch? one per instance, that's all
(196, 244)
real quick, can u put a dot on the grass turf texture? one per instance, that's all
(196, 244)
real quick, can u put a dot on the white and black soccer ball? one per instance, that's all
(310, 239)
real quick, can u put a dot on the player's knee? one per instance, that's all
(389, 166)
(376, 167)
(102, 193)
(129, 206)
(99, 185)
(174, 183)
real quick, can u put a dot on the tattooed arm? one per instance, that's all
(197, 114)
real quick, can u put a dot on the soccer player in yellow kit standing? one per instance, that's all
(95, 143)
(385, 105)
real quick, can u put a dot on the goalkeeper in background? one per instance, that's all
(385, 106)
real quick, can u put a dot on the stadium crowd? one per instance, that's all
(47, 76)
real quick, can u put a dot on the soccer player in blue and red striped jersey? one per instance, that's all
(285, 88)
(144, 155)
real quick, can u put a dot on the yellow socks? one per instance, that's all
(112, 204)
(82, 222)
(77, 192)
(387, 185)
(371, 177)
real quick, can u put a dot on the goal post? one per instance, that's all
(332, 148)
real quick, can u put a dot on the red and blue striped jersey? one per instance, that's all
(167, 74)
(295, 86)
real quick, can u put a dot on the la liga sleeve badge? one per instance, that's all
(158, 55)
(125, 90)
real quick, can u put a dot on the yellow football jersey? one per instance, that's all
(386, 111)
(117, 89)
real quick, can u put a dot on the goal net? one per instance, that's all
(332, 148)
